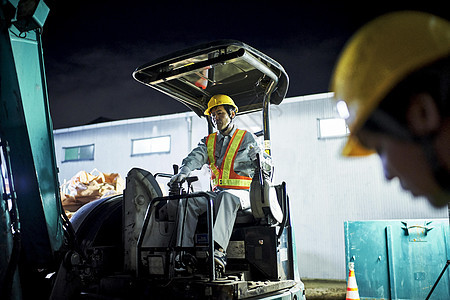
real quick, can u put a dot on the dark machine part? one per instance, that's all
(261, 259)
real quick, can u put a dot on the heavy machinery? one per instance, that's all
(123, 247)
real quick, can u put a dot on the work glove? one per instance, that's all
(178, 178)
(265, 160)
(252, 151)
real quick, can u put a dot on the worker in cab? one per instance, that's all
(392, 84)
(230, 154)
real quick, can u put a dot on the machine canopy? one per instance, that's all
(192, 76)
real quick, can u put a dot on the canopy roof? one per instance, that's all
(192, 76)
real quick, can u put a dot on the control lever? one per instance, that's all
(191, 179)
(176, 189)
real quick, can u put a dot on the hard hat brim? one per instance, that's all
(353, 148)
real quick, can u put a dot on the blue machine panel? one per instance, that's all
(399, 259)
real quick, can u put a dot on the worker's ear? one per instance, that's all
(232, 114)
(423, 115)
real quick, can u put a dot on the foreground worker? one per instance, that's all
(230, 154)
(391, 84)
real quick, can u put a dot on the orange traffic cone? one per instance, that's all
(352, 287)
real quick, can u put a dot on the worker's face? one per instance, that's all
(220, 117)
(406, 161)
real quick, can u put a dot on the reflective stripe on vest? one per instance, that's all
(225, 176)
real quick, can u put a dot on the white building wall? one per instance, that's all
(324, 188)
(113, 144)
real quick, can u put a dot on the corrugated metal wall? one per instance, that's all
(325, 189)
(113, 143)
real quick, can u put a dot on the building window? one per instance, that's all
(78, 153)
(159, 144)
(331, 128)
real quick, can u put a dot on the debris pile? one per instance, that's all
(85, 187)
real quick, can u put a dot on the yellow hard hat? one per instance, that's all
(220, 100)
(378, 57)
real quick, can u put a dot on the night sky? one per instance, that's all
(91, 48)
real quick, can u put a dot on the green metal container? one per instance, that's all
(399, 259)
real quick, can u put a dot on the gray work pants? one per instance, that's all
(226, 204)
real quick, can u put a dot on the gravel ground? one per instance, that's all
(325, 289)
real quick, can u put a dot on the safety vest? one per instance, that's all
(225, 176)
